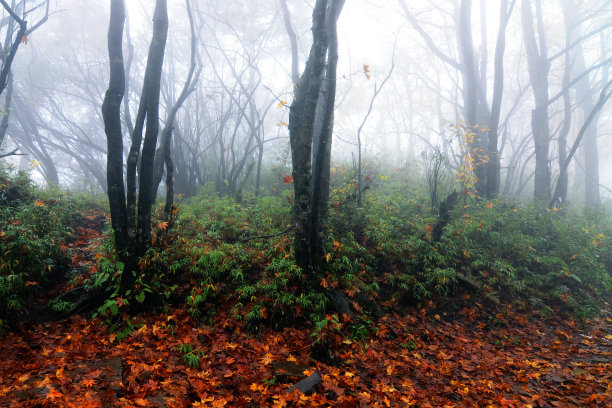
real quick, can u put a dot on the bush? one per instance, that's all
(34, 226)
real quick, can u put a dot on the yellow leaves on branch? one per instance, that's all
(366, 71)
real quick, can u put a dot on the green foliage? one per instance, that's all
(326, 329)
(225, 255)
(279, 297)
(190, 355)
(514, 252)
(34, 225)
(552, 260)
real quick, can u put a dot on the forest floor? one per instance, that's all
(417, 359)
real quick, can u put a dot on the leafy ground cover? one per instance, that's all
(418, 360)
(504, 306)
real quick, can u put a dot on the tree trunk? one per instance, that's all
(132, 235)
(537, 60)
(7, 109)
(164, 151)
(111, 112)
(322, 154)
(493, 163)
(151, 90)
(301, 130)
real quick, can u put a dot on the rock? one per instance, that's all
(309, 384)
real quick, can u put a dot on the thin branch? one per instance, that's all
(269, 235)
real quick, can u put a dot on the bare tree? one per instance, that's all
(16, 33)
(537, 58)
(476, 111)
(133, 231)
(163, 156)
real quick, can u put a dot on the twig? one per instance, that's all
(13, 153)
(269, 235)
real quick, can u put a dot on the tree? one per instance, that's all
(537, 59)
(584, 81)
(311, 195)
(163, 156)
(493, 162)
(476, 111)
(16, 33)
(132, 231)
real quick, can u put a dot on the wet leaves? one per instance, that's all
(420, 359)
(467, 362)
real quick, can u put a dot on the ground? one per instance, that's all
(416, 358)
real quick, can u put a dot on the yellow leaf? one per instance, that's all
(282, 103)
(267, 359)
(24, 377)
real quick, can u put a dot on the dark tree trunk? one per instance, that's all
(493, 163)
(322, 154)
(301, 129)
(111, 112)
(132, 237)
(151, 90)
(163, 154)
(474, 97)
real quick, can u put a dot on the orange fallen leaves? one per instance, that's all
(418, 359)
(88, 382)
(53, 394)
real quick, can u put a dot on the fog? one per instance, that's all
(440, 66)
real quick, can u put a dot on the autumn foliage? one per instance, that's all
(502, 311)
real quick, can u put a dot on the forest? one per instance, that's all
(317, 203)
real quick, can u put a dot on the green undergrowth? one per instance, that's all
(381, 257)
(34, 229)
(554, 261)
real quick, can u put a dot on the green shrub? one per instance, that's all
(34, 226)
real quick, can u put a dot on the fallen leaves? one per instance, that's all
(422, 359)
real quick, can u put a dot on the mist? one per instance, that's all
(60, 74)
